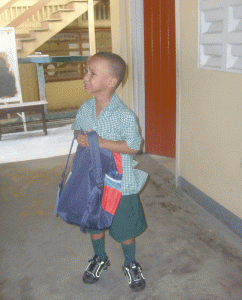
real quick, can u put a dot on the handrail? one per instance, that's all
(28, 13)
(7, 5)
(44, 59)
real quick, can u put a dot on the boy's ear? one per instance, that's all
(112, 81)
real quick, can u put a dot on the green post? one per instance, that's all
(41, 81)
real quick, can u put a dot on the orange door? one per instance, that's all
(160, 77)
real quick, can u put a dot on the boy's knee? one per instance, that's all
(128, 242)
(97, 236)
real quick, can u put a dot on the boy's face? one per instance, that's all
(98, 76)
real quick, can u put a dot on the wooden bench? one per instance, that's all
(37, 106)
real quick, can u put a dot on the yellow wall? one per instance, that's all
(29, 82)
(121, 45)
(60, 95)
(68, 94)
(210, 120)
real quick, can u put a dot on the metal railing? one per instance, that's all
(64, 71)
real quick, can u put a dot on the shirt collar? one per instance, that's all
(113, 103)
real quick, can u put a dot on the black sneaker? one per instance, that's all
(95, 268)
(135, 276)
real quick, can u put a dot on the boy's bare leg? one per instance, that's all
(128, 242)
(97, 236)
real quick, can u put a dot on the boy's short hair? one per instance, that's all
(117, 64)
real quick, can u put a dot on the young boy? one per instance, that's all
(117, 131)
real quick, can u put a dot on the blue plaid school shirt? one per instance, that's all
(116, 122)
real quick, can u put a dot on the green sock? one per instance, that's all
(99, 247)
(129, 253)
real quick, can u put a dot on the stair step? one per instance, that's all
(64, 10)
(58, 13)
(52, 20)
(26, 39)
(76, 1)
(45, 23)
(22, 35)
(69, 5)
(33, 32)
(39, 29)
(18, 45)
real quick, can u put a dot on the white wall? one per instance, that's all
(210, 120)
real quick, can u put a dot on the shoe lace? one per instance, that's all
(135, 272)
(93, 266)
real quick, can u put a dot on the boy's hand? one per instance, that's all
(82, 139)
(113, 146)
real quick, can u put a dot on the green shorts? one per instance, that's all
(129, 220)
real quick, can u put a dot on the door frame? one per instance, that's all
(137, 40)
(178, 89)
(138, 59)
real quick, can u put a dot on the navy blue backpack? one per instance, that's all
(91, 193)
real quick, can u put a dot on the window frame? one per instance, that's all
(220, 35)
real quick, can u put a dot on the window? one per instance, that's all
(220, 35)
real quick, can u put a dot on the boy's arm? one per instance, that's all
(119, 146)
(114, 146)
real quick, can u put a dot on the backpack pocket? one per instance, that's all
(112, 193)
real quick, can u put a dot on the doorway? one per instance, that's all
(160, 77)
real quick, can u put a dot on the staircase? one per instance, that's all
(28, 40)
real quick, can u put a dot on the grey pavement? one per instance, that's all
(185, 253)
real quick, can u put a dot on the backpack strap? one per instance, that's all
(64, 172)
(95, 156)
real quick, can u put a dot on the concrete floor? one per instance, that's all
(185, 253)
